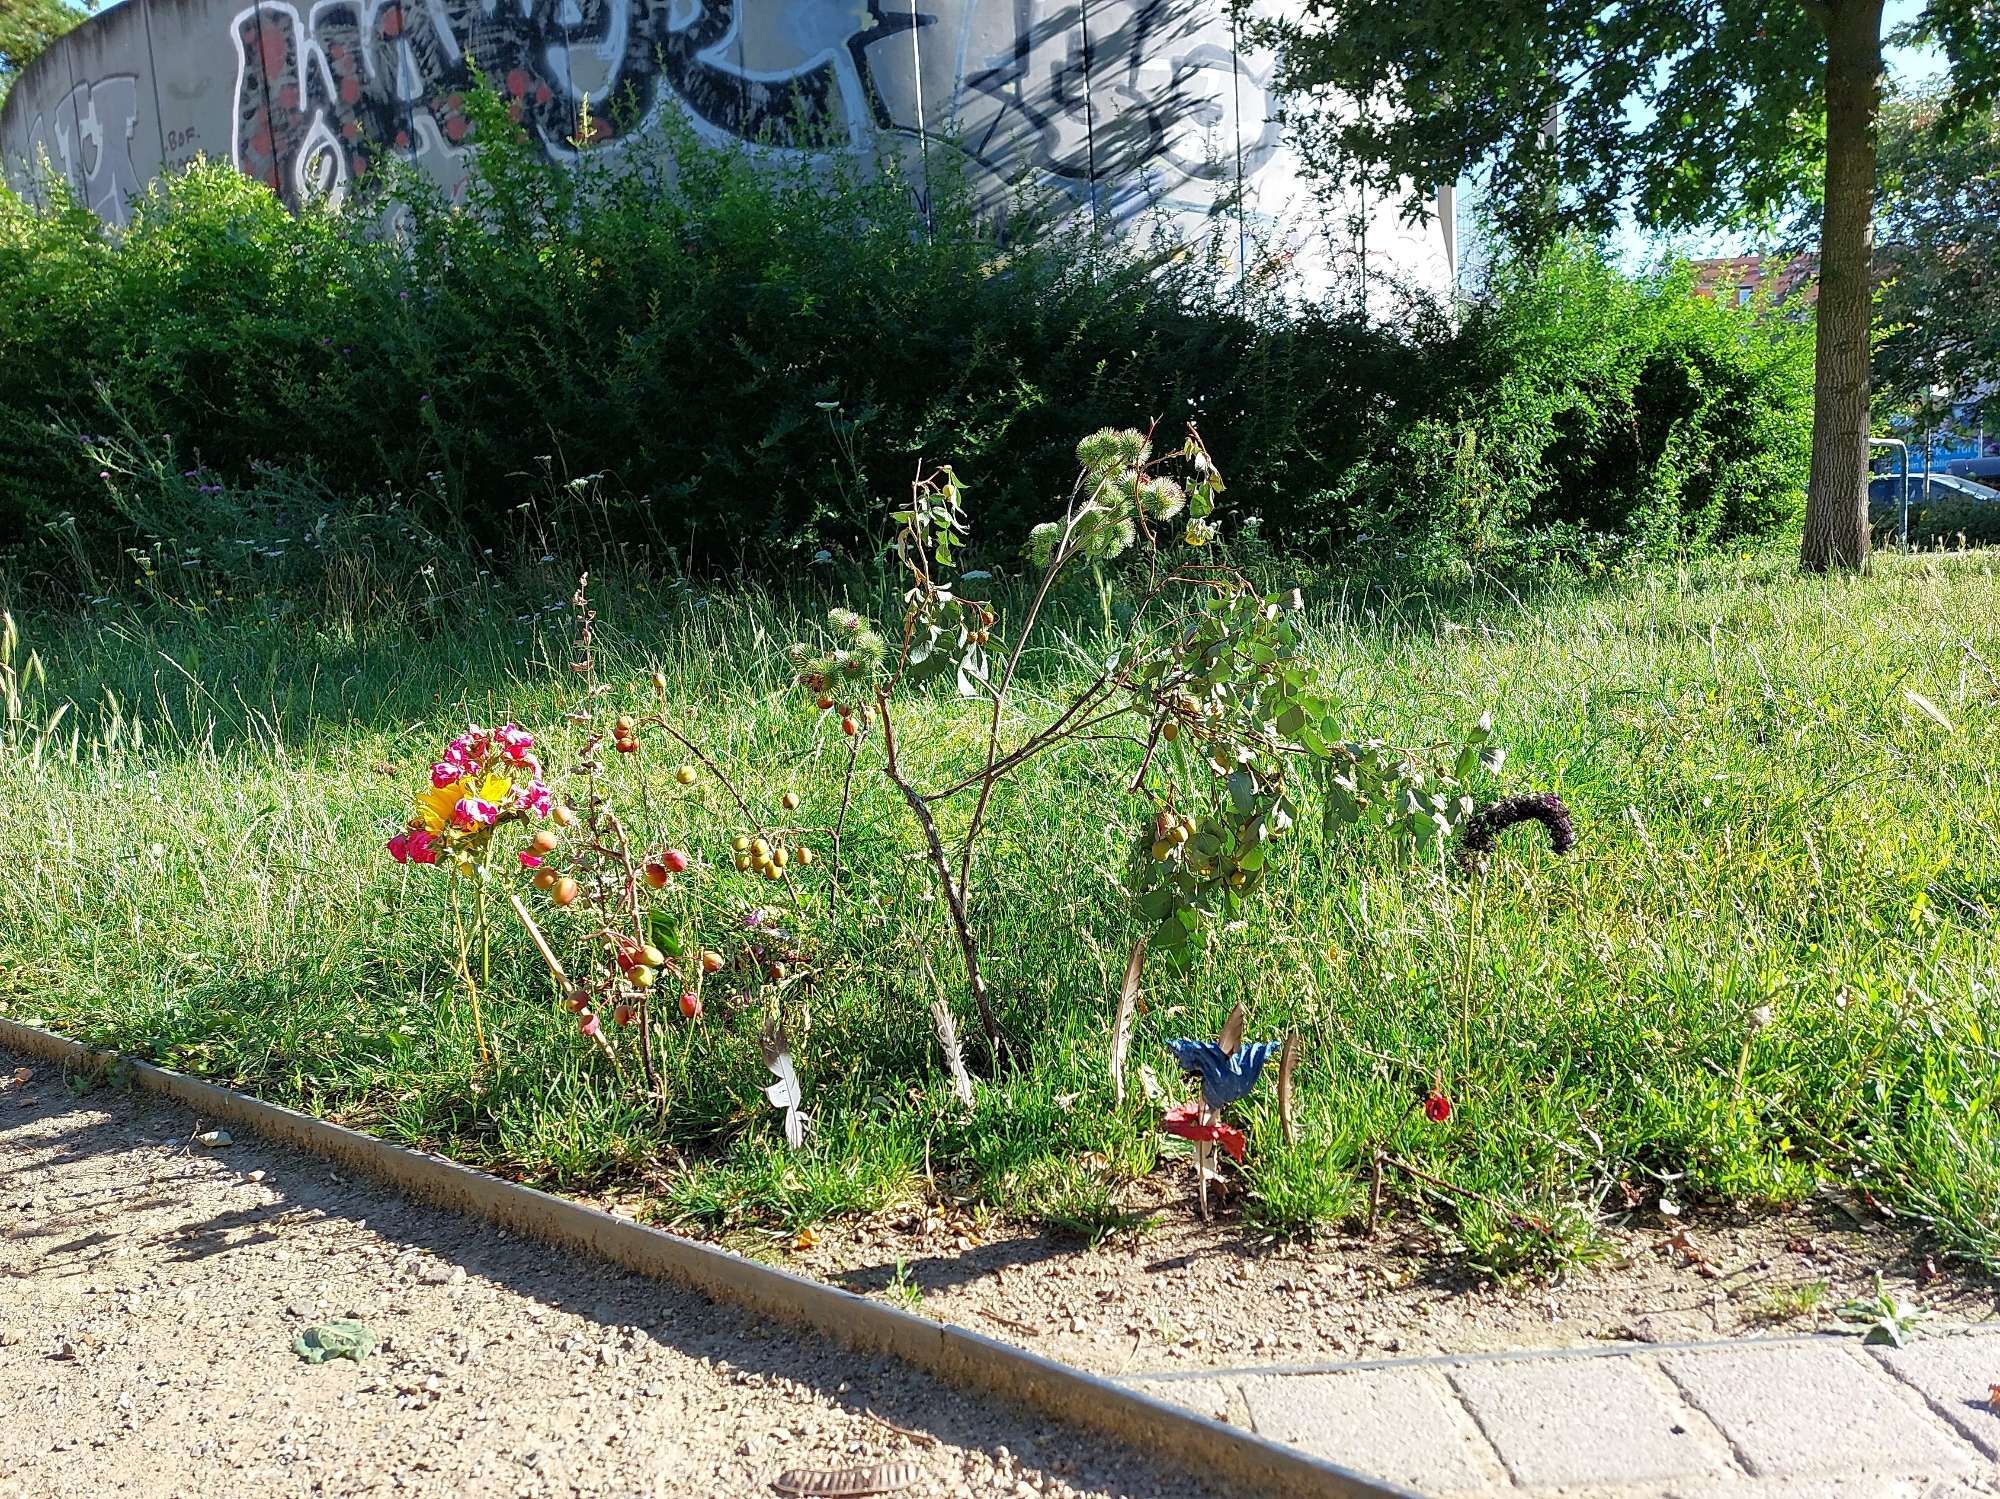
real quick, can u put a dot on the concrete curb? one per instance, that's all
(1236, 1461)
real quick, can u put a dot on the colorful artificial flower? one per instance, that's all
(472, 791)
(1184, 1120)
(470, 813)
(1225, 1076)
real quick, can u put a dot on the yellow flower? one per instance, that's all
(434, 806)
(495, 790)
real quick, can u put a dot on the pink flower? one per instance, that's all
(471, 812)
(399, 848)
(468, 749)
(422, 846)
(444, 773)
(514, 742)
(529, 859)
(537, 799)
(589, 1024)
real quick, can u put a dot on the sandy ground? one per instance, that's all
(150, 1290)
(1183, 1295)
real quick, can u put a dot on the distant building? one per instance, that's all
(1739, 279)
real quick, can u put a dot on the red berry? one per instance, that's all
(691, 1005)
(656, 875)
(1437, 1107)
(624, 1014)
(847, 726)
(675, 860)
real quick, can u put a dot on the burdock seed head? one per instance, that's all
(1483, 829)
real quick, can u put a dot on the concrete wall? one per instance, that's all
(1115, 105)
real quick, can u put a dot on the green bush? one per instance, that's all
(1582, 414)
(673, 350)
(678, 350)
(1942, 523)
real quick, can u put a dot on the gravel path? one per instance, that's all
(150, 1290)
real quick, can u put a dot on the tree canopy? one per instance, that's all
(26, 29)
(1938, 250)
(1684, 111)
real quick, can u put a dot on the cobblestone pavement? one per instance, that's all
(1783, 1418)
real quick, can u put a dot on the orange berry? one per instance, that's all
(545, 842)
(566, 891)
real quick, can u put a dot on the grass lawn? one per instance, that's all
(1769, 964)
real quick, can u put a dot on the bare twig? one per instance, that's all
(840, 828)
(968, 947)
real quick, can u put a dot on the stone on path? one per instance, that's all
(1804, 1410)
(1404, 1425)
(1590, 1422)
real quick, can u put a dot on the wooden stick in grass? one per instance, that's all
(555, 964)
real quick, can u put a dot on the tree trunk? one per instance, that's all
(1836, 530)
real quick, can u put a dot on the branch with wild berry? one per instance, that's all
(1207, 687)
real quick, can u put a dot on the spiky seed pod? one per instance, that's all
(1161, 498)
(1483, 829)
(1041, 548)
(1112, 448)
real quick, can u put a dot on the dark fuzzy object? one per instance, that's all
(1483, 829)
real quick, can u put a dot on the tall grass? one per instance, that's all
(1769, 965)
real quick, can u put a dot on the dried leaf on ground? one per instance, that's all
(848, 1483)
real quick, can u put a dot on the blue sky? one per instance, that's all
(1907, 65)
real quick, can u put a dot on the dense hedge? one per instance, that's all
(1591, 414)
(735, 363)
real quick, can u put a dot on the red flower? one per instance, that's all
(1184, 1120)
(1437, 1107)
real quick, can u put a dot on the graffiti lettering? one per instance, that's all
(317, 98)
(87, 138)
(1137, 94)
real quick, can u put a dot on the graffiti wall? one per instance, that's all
(1125, 109)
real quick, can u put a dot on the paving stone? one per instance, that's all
(1956, 1376)
(1817, 1410)
(1400, 1424)
(1590, 1422)
(1794, 1488)
(1210, 1397)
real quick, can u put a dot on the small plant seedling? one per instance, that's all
(1887, 1317)
(903, 1288)
(1790, 1302)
